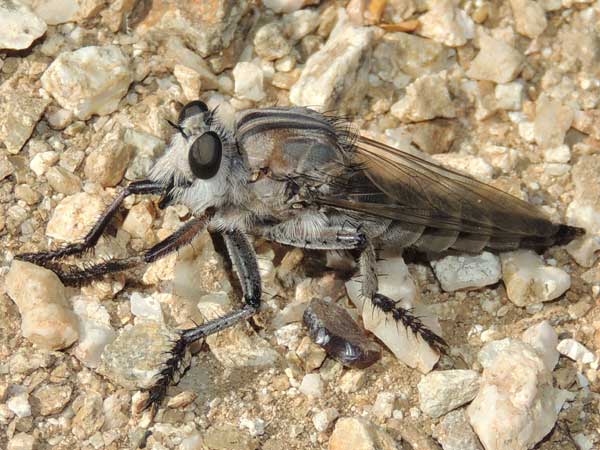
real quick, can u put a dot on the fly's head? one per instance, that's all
(202, 166)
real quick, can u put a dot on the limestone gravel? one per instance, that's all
(521, 77)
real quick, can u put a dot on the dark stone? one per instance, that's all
(331, 327)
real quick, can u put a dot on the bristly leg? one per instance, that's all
(244, 264)
(72, 275)
(137, 187)
(409, 321)
(369, 288)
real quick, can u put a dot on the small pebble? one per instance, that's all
(312, 385)
(443, 391)
(325, 418)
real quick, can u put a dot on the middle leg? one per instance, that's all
(244, 264)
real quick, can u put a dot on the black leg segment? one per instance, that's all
(137, 187)
(243, 261)
(74, 275)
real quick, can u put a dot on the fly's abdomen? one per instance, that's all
(435, 240)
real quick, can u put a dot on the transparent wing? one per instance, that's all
(409, 188)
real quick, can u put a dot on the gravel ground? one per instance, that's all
(508, 92)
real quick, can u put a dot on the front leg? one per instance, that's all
(91, 238)
(245, 266)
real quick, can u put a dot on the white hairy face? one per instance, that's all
(221, 177)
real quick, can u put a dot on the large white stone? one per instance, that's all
(396, 283)
(447, 24)
(528, 281)
(336, 76)
(465, 271)
(19, 25)
(544, 340)
(516, 405)
(356, 433)
(55, 12)
(496, 61)
(426, 98)
(443, 391)
(47, 318)
(576, 351)
(90, 80)
(287, 6)
(95, 330)
(530, 17)
(248, 81)
(74, 216)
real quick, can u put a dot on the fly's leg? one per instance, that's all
(245, 266)
(340, 238)
(74, 275)
(137, 187)
(370, 286)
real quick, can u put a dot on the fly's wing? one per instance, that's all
(408, 188)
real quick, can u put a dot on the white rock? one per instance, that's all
(107, 163)
(560, 154)
(357, 433)
(300, 23)
(544, 340)
(19, 404)
(516, 405)
(22, 441)
(455, 433)
(530, 17)
(269, 42)
(41, 162)
(189, 80)
(289, 335)
(336, 76)
(490, 351)
(19, 25)
(90, 80)
(324, 418)
(460, 272)
(248, 81)
(95, 330)
(447, 24)
(55, 12)
(146, 307)
(46, 316)
(139, 219)
(552, 120)
(509, 96)
(74, 216)
(238, 346)
(312, 385)
(287, 6)
(496, 61)
(384, 405)
(576, 351)
(443, 391)
(469, 164)
(528, 281)
(255, 426)
(426, 98)
(397, 284)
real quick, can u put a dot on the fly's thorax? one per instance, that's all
(288, 141)
(202, 165)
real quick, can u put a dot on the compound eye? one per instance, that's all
(205, 155)
(192, 109)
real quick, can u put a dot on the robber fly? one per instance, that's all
(301, 178)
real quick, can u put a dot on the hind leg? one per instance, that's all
(367, 266)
